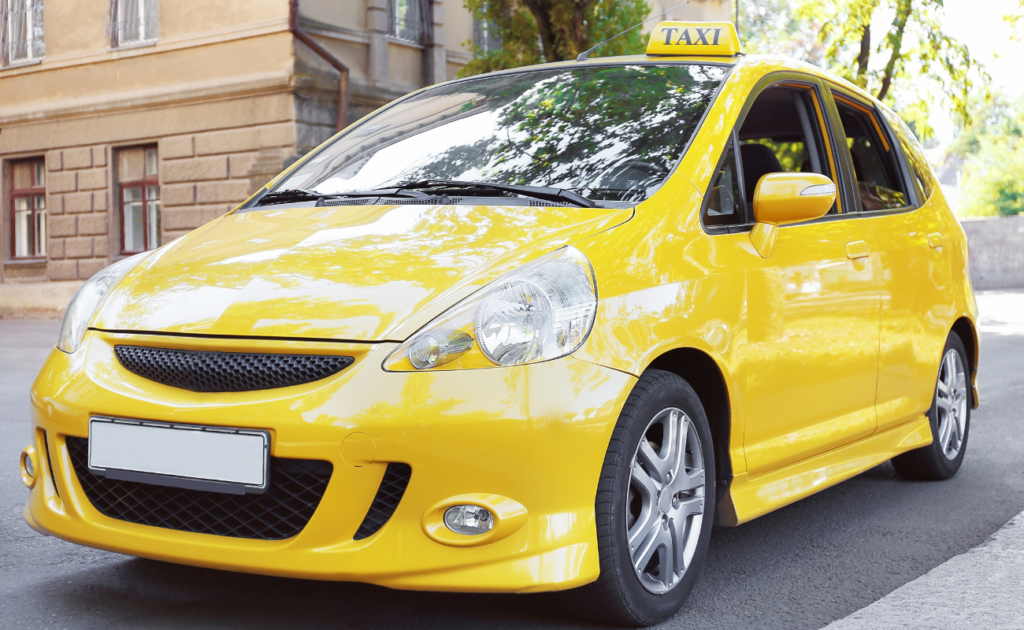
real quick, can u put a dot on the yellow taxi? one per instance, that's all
(535, 330)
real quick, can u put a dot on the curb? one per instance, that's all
(983, 588)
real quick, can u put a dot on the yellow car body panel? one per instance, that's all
(829, 364)
(550, 424)
(354, 273)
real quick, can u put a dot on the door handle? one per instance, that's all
(935, 239)
(857, 249)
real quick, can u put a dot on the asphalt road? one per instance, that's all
(801, 567)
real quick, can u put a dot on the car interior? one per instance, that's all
(878, 181)
(780, 134)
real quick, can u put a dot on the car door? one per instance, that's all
(895, 199)
(812, 306)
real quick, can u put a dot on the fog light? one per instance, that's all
(468, 520)
(28, 467)
(438, 347)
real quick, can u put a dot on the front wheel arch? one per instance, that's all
(703, 374)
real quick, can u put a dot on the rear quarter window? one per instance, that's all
(920, 168)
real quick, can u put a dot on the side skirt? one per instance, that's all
(751, 497)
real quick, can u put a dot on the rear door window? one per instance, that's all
(875, 161)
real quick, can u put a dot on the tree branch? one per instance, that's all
(903, 10)
(865, 55)
(542, 16)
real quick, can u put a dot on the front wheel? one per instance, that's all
(950, 418)
(654, 505)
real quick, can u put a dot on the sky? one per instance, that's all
(980, 25)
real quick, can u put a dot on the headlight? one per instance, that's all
(83, 306)
(540, 312)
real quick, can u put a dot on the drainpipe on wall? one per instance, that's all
(307, 39)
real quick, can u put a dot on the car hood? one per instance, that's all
(358, 273)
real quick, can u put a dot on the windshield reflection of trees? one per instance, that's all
(609, 133)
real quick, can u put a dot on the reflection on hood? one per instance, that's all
(353, 273)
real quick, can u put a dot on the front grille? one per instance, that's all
(392, 487)
(293, 494)
(201, 371)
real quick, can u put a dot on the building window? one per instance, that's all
(485, 36)
(22, 31)
(133, 22)
(28, 208)
(410, 20)
(139, 199)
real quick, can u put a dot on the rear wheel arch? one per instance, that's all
(968, 333)
(704, 375)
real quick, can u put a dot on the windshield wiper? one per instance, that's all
(450, 186)
(290, 195)
(296, 195)
(428, 189)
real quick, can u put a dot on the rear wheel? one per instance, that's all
(950, 417)
(654, 503)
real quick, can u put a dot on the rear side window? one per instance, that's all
(920, 170)
(879, 184)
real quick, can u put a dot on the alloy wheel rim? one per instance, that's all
(665, 500)
(951, 404)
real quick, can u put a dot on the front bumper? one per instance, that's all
(534, 434)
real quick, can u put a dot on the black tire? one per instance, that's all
(930, 463)
(618, 596)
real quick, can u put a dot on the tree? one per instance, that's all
(1016, 22)
(774, 27)
(992, 149)
(895, 49)
(907, 64)
(536, 31)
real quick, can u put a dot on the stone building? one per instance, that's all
(125, 123)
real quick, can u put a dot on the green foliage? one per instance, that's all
(791, 154)
(993, 151)
(773, 27)
(912, 65)
(908, 65)
(536, 31)
(1016, 22)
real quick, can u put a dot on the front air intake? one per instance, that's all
(389, 494)
(201, 371)
(295, 489)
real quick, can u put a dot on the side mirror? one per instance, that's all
(782, 198)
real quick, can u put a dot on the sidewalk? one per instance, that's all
(983, 588)
(32, 300)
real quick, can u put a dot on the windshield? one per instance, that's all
(607, 133)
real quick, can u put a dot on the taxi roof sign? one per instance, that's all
(706, 39)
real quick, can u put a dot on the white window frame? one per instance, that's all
(416, 31)
(484, 37)
(148, 19)
(35, 47)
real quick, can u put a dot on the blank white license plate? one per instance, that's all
(195, 457)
